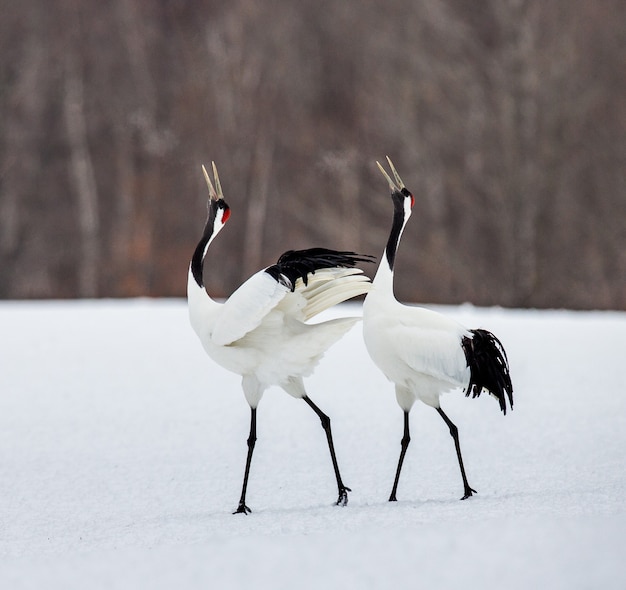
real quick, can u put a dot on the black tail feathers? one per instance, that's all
(297, 264)
(489, 367)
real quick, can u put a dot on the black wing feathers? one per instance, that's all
(297, 264)
(489, 367)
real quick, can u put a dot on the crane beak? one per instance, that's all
(220, 194)
(213, 194)
(398, 184)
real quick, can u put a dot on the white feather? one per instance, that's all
(417, 349)
(247, 307)
(261, 330)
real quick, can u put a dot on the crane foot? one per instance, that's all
(343, 497)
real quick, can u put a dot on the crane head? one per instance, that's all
(398, 190)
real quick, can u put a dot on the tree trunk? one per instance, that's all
(82, 175)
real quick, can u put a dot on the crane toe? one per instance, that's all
(468, 493)
(342, 500)
(242, 509)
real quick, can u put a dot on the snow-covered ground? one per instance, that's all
(122, 451)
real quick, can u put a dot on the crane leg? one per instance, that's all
(342, 500)
(406, 439)
(454, 432)
(242, 508)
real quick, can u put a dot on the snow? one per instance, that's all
(123, 450)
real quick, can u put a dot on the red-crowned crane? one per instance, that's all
(425, 353)
(261, 331)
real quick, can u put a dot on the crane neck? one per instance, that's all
(196, 266)
(385, 269)
(196, 292)
(383, 281)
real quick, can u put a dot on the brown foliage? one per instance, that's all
(506, 118)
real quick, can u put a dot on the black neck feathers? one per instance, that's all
(396, 227)
(197, 261)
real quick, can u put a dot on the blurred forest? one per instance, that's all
(505, 118)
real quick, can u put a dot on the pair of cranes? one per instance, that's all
(261, 332)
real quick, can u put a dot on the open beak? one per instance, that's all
(215, 196)
(398, 184)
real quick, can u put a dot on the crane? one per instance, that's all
(261, 332)
(425, 353)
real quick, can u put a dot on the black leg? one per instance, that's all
(342, 500)
(406, 439)
(242, 508)
(454, 432)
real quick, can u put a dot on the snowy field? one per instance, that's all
(123, 446)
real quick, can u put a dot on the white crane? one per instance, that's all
(261, 333)
(425, 353)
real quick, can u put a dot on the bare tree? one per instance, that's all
(82, 172)
(506, 117)
(23, 103)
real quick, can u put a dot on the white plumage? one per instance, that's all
(415, 348)
(261, 331)
(425, 353)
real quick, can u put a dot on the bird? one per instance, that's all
(261, 332)
(423, 352)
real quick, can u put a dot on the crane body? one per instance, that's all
(423, 352)
(262, 331)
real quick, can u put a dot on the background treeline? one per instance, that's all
(506, 118)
